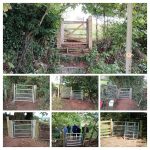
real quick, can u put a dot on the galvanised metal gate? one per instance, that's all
(125, 93)
(73, 139)
(131, 130)
(22, 128)
(24, 92)
(77, 94)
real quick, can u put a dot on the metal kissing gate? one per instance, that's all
(76, 94)
(24, 93)
(125, 93)
(23, 128)
(131, 130)
(73, 140)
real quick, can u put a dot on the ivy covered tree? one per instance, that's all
(30, 36)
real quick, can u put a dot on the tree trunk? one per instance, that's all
(92, 132)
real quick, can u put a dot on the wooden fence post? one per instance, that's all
(111, 126)
(71, 92)
(60, 36)
(89, 32)
(130, 93)
(129, 39)
(33, 98)
(63, 138)
(82, 96)
(141, 128)
(9, 127)
(37, 130)
(34, 92)
(58, 91)
(33, 129)
(14, 90)
(5, 94)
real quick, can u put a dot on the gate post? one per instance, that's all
(9, 127)
(37, 129)
(82, 95)
(33, 96)
(71, 92)
(33, 128)
(111, 126)
(141, 128)
(130, 93)
(60, 36)
(34, 92)
(14, 90)
(89, 32)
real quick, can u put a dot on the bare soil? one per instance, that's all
(67, 104)
(23, 142)
(123, 104)
(126, 104)
(38, 105)
(120, 142)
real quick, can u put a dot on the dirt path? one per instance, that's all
(120, 142)
(126, 104)
(78, 105)
(23, 142)
(9, 105)
(67, 104)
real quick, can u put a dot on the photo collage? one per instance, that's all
(74, 75)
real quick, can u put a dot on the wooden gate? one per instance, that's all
(22, 128)
(106, 128)
(75, 35)
(125, 129)
(24, 93)
(118, 128)
(44, 131)
(65, 92)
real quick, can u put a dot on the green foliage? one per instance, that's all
(34, 27)
(89, 84)
(59, 120)
(114, 28)
(97, 64)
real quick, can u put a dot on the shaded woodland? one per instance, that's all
(36, 26)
